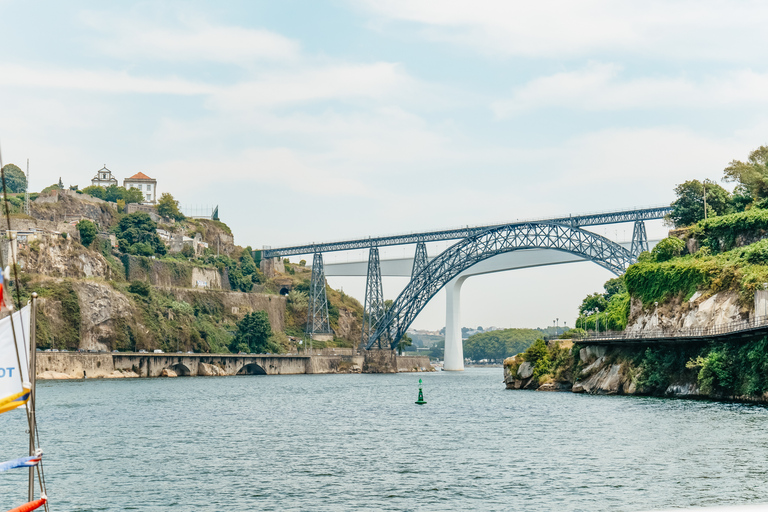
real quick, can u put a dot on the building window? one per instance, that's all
(139, 185)
(149, 187)
(149, 197)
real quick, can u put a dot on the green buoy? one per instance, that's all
(421, 400)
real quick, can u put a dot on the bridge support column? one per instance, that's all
(420, 260)
(318, 325)
(639, 239)
(373, 306)
(454, 349)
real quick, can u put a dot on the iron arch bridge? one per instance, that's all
(494, 241)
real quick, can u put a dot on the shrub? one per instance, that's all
(87, 231)
(757, 253)
(667, 249)
(254, 332)
(140, 288)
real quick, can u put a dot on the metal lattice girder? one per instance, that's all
(639, 239)
(373, 306)
(594, 219)
(420, 259)
(492, 242)
(317, 313)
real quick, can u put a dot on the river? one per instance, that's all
(358, 442)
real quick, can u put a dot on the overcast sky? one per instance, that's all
(314, 120)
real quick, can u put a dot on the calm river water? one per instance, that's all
(358, 442)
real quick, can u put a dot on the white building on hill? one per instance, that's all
(147, 185)
(103, 178)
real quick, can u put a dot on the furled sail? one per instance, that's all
(32, 505)
(14, 381)
(22, 462)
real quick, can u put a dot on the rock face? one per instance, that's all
(698, 311)
(606, 380)
(58, 257)
(70, 206)
(525, 370)
(349, 325)
(210, 370)
(168, 373)
(103, 311)
(235, 305)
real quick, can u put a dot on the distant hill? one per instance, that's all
(500, 344)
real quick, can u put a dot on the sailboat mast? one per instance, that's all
(31, 403)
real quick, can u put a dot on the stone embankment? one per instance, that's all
(77, 365)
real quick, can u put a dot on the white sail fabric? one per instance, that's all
(10, 383)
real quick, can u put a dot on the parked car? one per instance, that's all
(142, 351)
(158, 351)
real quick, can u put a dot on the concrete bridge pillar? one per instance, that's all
(454, 350)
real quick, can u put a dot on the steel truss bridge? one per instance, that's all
(384, 328)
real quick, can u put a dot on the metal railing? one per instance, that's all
(741, 327)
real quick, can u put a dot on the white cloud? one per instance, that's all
(196, 40)
(705, 29)
(262, 169)
(600, 87)
(106, 81)
(371, 81)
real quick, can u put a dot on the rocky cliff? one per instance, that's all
(723, 371)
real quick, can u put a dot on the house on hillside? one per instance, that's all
(147, 185)
(103, 178)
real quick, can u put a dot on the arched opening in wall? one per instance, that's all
(284, 291)
(251, 369)
(181, 370)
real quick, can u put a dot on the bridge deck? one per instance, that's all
(592, 219)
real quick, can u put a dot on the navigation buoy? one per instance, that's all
(421, 400)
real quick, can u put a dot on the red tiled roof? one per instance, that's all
(139, 176)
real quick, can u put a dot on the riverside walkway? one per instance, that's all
(733, 331)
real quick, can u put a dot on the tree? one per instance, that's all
(593, 303)
(87, 231)
(15, 180)
(95, 191)
(113, 193)
(688, 208)
(167, 206)
(137, 234)
(254, 331)
(614, 286)
(752, 174)
(405, 341)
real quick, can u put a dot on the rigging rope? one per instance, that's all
(33, 432)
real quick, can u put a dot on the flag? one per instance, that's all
(22, 462)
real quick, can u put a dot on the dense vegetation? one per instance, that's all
(114, 193)
(497, 345)
(15, 179)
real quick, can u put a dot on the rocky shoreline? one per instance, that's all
(601, 370)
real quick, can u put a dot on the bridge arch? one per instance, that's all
(181, 369)
(487, 244)
(251, 369)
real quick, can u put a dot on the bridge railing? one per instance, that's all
(740, 326)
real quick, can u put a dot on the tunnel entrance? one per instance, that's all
(284, 291)
(252, 369)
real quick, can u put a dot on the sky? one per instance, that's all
(323, 120)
